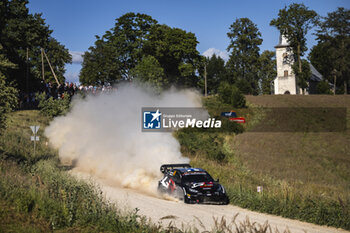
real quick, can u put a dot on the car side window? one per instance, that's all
(177, 178)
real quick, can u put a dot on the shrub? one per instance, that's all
(244, 86)
(230, 94)
(323, 88)
(149, 71)
(8, 100)
(205, 144)
(52, 107)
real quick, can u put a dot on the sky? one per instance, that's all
(76, 22)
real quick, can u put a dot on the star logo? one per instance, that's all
(156, 115)
(152, 120)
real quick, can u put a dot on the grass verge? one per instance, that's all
(38, 195)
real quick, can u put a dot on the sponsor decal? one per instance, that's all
(232, 116)
(237, 119)
(229, 114)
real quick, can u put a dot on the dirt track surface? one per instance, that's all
(165, 210)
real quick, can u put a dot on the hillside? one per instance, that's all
(304, 175)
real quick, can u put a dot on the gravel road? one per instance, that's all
(166, 209)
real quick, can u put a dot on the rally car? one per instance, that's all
(192, 185)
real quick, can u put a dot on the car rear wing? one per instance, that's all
(165, 167)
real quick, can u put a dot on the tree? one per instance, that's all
(294, 22)
(304, 76)
(135, 37)
(128, 37)
(22, 35)
(332, 53)
(101, 64)
(8, 94)
(8, 101)
(216, 73)
(118, 51)
(267, 72)
(176, 52)
(150, 71)
(321, 57)
(230, 94)
(323, 88)
(5, 64)
(245, 39)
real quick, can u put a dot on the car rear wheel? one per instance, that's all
(226, 201)
(161, 188)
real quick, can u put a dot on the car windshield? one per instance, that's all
(197, 178)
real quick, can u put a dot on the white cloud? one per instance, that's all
(76, 57)
(211, 51)
(72, 77)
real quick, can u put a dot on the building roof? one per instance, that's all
(315, 75)
(283, 42)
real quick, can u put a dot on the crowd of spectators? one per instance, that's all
(61, 91)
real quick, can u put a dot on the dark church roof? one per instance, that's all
(283, 43)
(315, 75)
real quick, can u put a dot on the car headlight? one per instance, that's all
(192, 190)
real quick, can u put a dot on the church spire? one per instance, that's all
(283, 42)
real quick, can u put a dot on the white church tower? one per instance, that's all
(285, 82)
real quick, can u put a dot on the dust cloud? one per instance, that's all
(101, 136)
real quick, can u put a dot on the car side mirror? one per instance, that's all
(218, 180)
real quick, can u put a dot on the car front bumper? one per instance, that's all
(207, 198)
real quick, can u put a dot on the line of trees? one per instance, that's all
(138, 48)
(246, 68)
(331, 56)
